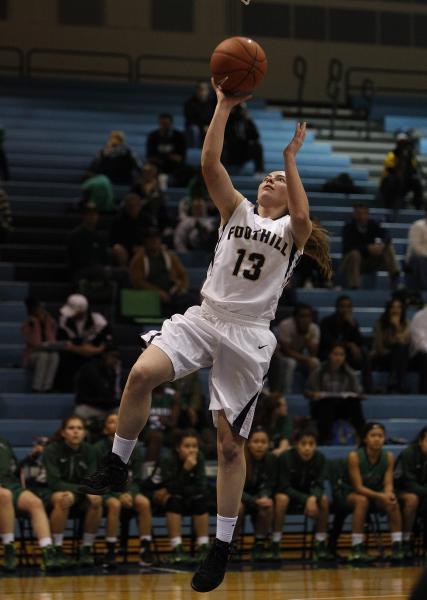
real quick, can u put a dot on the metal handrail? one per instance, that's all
(349, 86)
(127, 74)
(21, 60)
(181, 59)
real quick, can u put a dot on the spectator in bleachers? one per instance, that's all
(5, 216)
(14, 497)
(39, 332)
(196, 230)
(87, 252)
(341, 327)
(242, 142)
(163, 419)
(181, 489)
(300, 489)
(411, 485)
(85, 334)
(167, 149)
(368, 485)
(335, 393)
(128, 229)
(68, 459)
(156, 268)
(97, 189)
(4, 164)
(153, 208)
(198, 112)
(257, 497)
(116, 160)
(130, 499)
(418, 350)
(98, 385)
(367, 248)
(390, 345)
(272, 415)
(416, 255)
(401, 175)
(298, 346)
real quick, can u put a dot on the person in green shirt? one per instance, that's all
(131, 498)
(370, 485)
(272, 415)
(300, 489)
(98, 189)
(411, 484)
(257, 498)
(181, 489)
(14, 497)
(68, 460)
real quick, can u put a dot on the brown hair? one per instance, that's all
(57, 436)
(317, 248)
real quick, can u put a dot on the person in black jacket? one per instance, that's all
(128, 229)
(257, 498)
(300, 488)
(242, 141)
(116, 160)
(367, 247)
(198, 112)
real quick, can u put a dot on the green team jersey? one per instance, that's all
(8, 464)
(373, 474)
(103, 446)
(65, 467)
(261, 479)
(282, 430)
(169, 472)
(411, 468)
(299, 479)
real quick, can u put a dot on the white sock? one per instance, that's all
(88, 539)
(123, 448)
(43, 542)
(7, 538)
(145, 537)
(320, 537)
(58, 538)
(396, 536)
(111, 540)
(276, 537)
(175, 541)
(407, 537)
(202, 540)
(225, 528)
(356, 539)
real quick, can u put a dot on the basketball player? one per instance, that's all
(257, 251)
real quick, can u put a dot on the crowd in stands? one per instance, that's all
(286, 471)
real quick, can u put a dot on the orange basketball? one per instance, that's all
(238, 64)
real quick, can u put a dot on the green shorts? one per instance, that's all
(16, 490)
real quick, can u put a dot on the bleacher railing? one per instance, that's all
(12, 60)
(407, 81)
(90, 63)
(188, 69)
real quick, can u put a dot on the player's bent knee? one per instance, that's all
(5, 495)
(94, 501)
(229, 452)
(281, 500)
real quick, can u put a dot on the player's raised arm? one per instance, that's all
(298, 202)
(218, 182)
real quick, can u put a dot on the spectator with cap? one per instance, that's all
(86, 334)
(401, 175)
(116, 160)
(128, 229)
(98, 385)
(156, 268)
(366, 248)
(198, 112)
(167, 149)
(416, 255)
(39, 332)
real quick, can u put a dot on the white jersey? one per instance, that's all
(253, 261)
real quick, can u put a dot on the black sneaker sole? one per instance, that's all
(206, 590)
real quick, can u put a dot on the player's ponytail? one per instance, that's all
(317, 248)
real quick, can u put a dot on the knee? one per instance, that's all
(229, 451)
(411, 502)
(34, 504)
(5, 496)
(361, 502)
(142, 503)
(281, 501)
(94, 501)
(324, 503)
(140, 379)
(113, 505)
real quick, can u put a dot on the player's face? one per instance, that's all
(111, 425)
(337, 357)
(375, 439)
(306, 447)
(282, 407)
(273, 191)
(189, 445)
(258, 444)
(345, 309)
(74, 432)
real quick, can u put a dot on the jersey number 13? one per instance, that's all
(257, 262)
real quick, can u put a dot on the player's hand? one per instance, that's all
(191, 461)
(161, 496)
(126, 500)
(297, 141)
(227, 101)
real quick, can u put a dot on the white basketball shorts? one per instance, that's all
(238, 352)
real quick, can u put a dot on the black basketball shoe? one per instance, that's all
(110, 476)
(211, 571)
